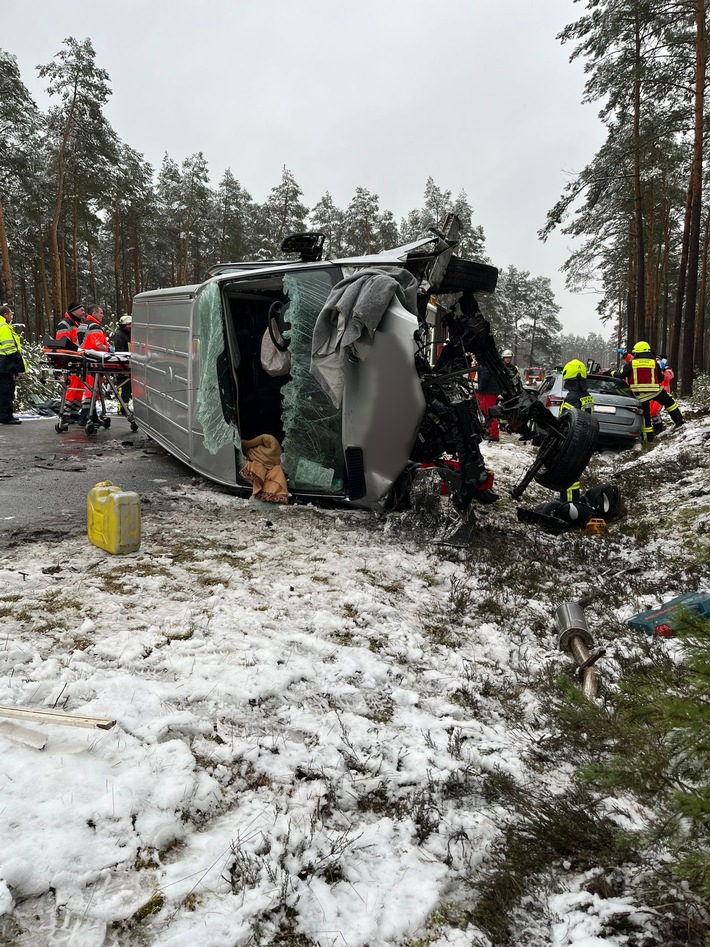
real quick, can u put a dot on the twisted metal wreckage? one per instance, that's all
(403, 403)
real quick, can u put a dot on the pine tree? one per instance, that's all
(328, 219)
(283, 213)
(387, 231)
(235, 207)
(643, 63)
(83, 90)
(471, 245)
(195, 211)
(410, 227)
(169, 203)
(437, 204)
(18, 131)
(362, 223)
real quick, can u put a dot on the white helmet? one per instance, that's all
(506, 353)
(125, 320)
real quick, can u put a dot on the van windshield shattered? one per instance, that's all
(290, 404)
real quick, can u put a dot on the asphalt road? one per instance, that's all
(45, 477)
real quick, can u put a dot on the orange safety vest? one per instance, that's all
(643, 381)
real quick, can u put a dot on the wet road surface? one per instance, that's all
(45, 477)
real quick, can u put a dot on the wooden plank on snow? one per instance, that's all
(39, 715)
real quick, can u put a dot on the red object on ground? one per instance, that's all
(455, 465)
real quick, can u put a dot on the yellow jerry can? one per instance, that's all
(113, 518)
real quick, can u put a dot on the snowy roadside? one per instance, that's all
(312, 709)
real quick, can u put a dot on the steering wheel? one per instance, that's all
(276, 311)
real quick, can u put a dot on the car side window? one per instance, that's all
(545, 386)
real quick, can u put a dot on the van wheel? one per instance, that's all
(564, 461)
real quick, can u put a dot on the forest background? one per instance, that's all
(83, 215)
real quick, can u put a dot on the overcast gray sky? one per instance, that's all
(381, 94)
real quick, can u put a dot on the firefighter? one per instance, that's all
(507, 357)
(577, 397)
(645, 378)
(67, 329)
(487, 394)
(91, 337)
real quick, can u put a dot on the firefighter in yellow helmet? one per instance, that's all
(577, 397)
(645, 378)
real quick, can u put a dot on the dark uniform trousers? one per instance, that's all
(7, 395)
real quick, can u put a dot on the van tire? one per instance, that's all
(462, 275)
(568, 459)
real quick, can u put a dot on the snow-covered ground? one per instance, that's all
(311, 708)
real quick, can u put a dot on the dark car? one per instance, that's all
(616, 408)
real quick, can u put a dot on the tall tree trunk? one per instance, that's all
(649, 266)
(39, 309)
(663, 282)
(24, 308)
(55, 261)
(43, 277)
(63, 267)
(687, 363)
(620, 331)
(680, 293)
(125, 281)
(223, 234)
(136, 259)
(631, 307)
(92, 273)
(117, 257)
(532, 339)
(75, 251)
(640, 308)
(5, 250)
(701, 352)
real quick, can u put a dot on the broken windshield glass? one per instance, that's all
(313, 452)
(214, 408)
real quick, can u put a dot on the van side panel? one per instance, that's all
(161, 368)
(165, 368)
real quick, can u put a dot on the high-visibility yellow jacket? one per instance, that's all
(11, 360)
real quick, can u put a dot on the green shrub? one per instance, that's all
(701, 391)
(37, 383)
(660, 751)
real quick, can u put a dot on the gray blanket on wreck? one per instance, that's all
(346, 325)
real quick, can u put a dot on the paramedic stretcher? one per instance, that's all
(96, 370)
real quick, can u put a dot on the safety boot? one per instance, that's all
(83, 416)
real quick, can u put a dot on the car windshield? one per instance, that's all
(605, 385)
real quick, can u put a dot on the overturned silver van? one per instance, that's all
(404, 399)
